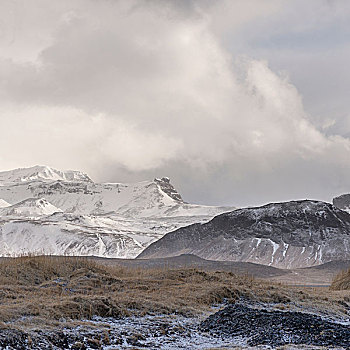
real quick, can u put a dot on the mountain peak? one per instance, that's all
(168, 188)
(42, 173)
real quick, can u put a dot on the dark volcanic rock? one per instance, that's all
(12, 339)
(285, 235)
(276, 328)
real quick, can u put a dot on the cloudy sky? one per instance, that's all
(239, 102)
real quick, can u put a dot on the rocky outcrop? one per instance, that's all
(342, 202)
(169, 189)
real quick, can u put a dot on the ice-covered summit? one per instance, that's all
(42, 173)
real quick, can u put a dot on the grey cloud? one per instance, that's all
(309, 41)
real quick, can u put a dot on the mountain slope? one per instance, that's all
(285, 235)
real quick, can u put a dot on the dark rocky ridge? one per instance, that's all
(286, 235)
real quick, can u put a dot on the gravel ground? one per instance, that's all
(276, 328)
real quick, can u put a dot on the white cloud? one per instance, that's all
(138, 87)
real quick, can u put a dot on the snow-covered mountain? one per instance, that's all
(285, 235)
(44, 210)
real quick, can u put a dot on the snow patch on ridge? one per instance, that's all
(275, 247)
(4, 204)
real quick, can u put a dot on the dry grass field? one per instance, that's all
(41, 296)
(76, 288)
(52, 288)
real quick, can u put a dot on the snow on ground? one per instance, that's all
(168, 332)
